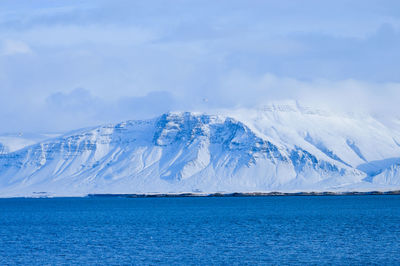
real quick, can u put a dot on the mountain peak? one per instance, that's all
(185, 151)
(292, 106)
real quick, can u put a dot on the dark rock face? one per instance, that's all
(3, 149)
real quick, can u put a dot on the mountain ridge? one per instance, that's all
(269, 150)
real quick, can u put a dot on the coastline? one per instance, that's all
(247, 194)
(42, 195)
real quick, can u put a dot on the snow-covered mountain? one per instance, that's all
(275, 148)
(13, 142)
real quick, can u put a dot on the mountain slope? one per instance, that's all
(274, 150)
(14, 142)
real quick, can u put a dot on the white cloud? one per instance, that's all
(349, 95)
(70, 35)
(63, 111)
(12, 47)
(332, 55)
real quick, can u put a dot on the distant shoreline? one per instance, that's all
(207, 195)
(245, 194)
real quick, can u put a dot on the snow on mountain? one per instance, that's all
(351, 139)
(14, 142)
(283, 147)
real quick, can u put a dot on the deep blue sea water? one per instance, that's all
(190, 231)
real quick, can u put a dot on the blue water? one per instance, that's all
(254, 230)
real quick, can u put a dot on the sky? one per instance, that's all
(68, 64)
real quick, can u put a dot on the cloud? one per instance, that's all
(69, 36)
(63, 111)
(77, 108)
(78, 99)
(137, 59)
(13, 47)
(348, 95)
(152, 104)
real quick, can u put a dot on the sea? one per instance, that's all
(288, 230)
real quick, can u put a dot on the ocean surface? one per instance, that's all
(190, 231)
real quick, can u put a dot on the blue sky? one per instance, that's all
(69, 64)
